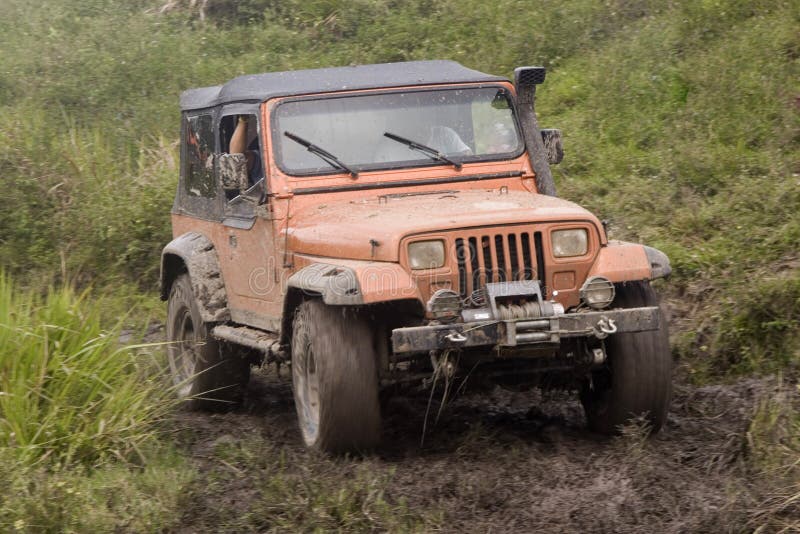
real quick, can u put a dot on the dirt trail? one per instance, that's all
(495, 462)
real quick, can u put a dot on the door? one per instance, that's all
(247, 251)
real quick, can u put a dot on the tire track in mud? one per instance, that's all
(496, 461)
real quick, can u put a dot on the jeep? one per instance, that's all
(381, 227)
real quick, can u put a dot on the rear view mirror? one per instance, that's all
(233, 171)
(552, 146)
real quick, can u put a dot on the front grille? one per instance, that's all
(492, 256)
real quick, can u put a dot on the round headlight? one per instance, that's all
(426, 254)
(567, 243)
(597, 292)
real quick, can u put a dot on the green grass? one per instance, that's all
(110, 498)
(81, 421)
(69, 393)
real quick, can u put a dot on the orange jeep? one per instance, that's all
(391, 225)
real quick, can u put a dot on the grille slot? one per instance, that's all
(484, 257)
(474, 263)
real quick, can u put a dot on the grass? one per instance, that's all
(69, 394)
(113, 497)
(81, 445)
(773, 439)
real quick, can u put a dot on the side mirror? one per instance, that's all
(553, 146)
(233, 171)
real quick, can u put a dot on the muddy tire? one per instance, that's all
(207, 374)
(335, 379)
(637, 379)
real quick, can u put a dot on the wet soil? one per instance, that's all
(494, 462)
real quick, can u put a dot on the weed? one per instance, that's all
(79, 421)
(69, 394)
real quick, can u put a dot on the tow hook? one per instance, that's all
(456, 337)
(604, 328)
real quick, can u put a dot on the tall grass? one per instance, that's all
(68, 394)
(81, 448)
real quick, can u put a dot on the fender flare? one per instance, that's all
(355, 282)
(346, 283)
(659, 263)
(194, 253)
(621, 261)
(337, 285)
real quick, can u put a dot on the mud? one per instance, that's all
(200, 258)
(494, 462)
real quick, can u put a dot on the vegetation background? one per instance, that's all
(681, 121)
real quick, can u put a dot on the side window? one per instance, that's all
(199, 149)
(239, 134)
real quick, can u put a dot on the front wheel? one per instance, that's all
(637, 380)
(335, 379)
(207, 374)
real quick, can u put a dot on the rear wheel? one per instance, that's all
(335, 379)
(207, 374)
(637, 380)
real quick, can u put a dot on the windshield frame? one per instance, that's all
(423, 162)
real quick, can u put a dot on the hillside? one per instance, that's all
(681, 124)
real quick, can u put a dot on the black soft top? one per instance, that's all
(261, 87)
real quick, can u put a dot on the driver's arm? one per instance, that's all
(239, 141)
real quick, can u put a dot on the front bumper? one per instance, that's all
(529, 332)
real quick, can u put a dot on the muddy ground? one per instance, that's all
(495, 462)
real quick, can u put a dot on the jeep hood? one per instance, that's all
(349, 229)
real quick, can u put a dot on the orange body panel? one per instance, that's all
(621, 261)
(250, 265)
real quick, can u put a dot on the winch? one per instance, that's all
(512, 300)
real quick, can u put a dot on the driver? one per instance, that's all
(503, 139)
(447, 141)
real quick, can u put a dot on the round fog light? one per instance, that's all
(445, 305)
(597, 292)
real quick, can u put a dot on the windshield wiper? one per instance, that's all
(428, 151)
(329, 158)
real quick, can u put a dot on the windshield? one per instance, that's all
(462, 125)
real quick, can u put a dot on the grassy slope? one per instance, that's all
(680, 119)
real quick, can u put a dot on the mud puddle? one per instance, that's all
(494, 462)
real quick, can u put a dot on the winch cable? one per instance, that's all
(529, 310)
(438, 365)
(436, 370)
